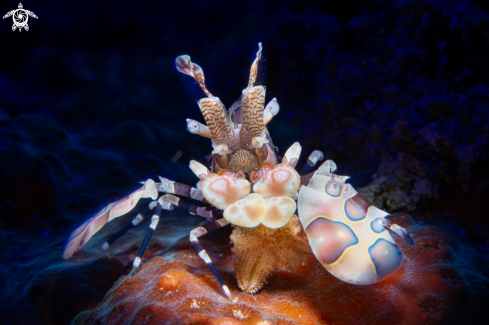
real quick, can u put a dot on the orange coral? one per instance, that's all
(436, 284)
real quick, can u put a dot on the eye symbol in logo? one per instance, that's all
(20, 17)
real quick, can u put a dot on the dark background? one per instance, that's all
(395, 92)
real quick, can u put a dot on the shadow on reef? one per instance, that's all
(53, 291)
(439, 282)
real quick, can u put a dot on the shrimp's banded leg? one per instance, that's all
(311, 162)
(154, 222)
(210, 213)
(307, 170)
(134, 222)
(168, 186)
(194, 239)
(325, 169)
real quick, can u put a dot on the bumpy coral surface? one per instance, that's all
(437, 283)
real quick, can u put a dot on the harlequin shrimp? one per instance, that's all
(246, 187)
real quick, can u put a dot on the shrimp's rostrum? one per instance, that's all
(249, 190)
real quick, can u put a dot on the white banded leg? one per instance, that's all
(172, 187)
(134, 222)
(311, 162)
(194, 239)
(209, 212)
(307, 170)
(160, 205)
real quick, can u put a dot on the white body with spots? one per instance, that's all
(346, 233)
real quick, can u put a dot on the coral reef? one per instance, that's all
(438, 283)
(400, 184)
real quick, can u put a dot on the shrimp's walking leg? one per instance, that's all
(311, 162)
(194, 239)
(133, 223)
(307, 170)
(154, 222)
(172, 187)
(209, 212)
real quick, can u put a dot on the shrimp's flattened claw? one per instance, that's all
(346, 233)
(279, 211)
(224, 189)
(247, 212)
(283, 180)
(83, 233)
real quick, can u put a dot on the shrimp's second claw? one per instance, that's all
(84, 232)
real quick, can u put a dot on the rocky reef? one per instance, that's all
(438, 283)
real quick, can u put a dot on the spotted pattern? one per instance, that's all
(377, 225)
(386, 257)
(333, 188)
(346, 233)
(356, 208)
(329, 239)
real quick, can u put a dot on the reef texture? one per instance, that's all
(438, 283)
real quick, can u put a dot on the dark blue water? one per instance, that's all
(395, 92)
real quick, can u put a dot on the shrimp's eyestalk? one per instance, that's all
(270, 111)
(195, 127)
